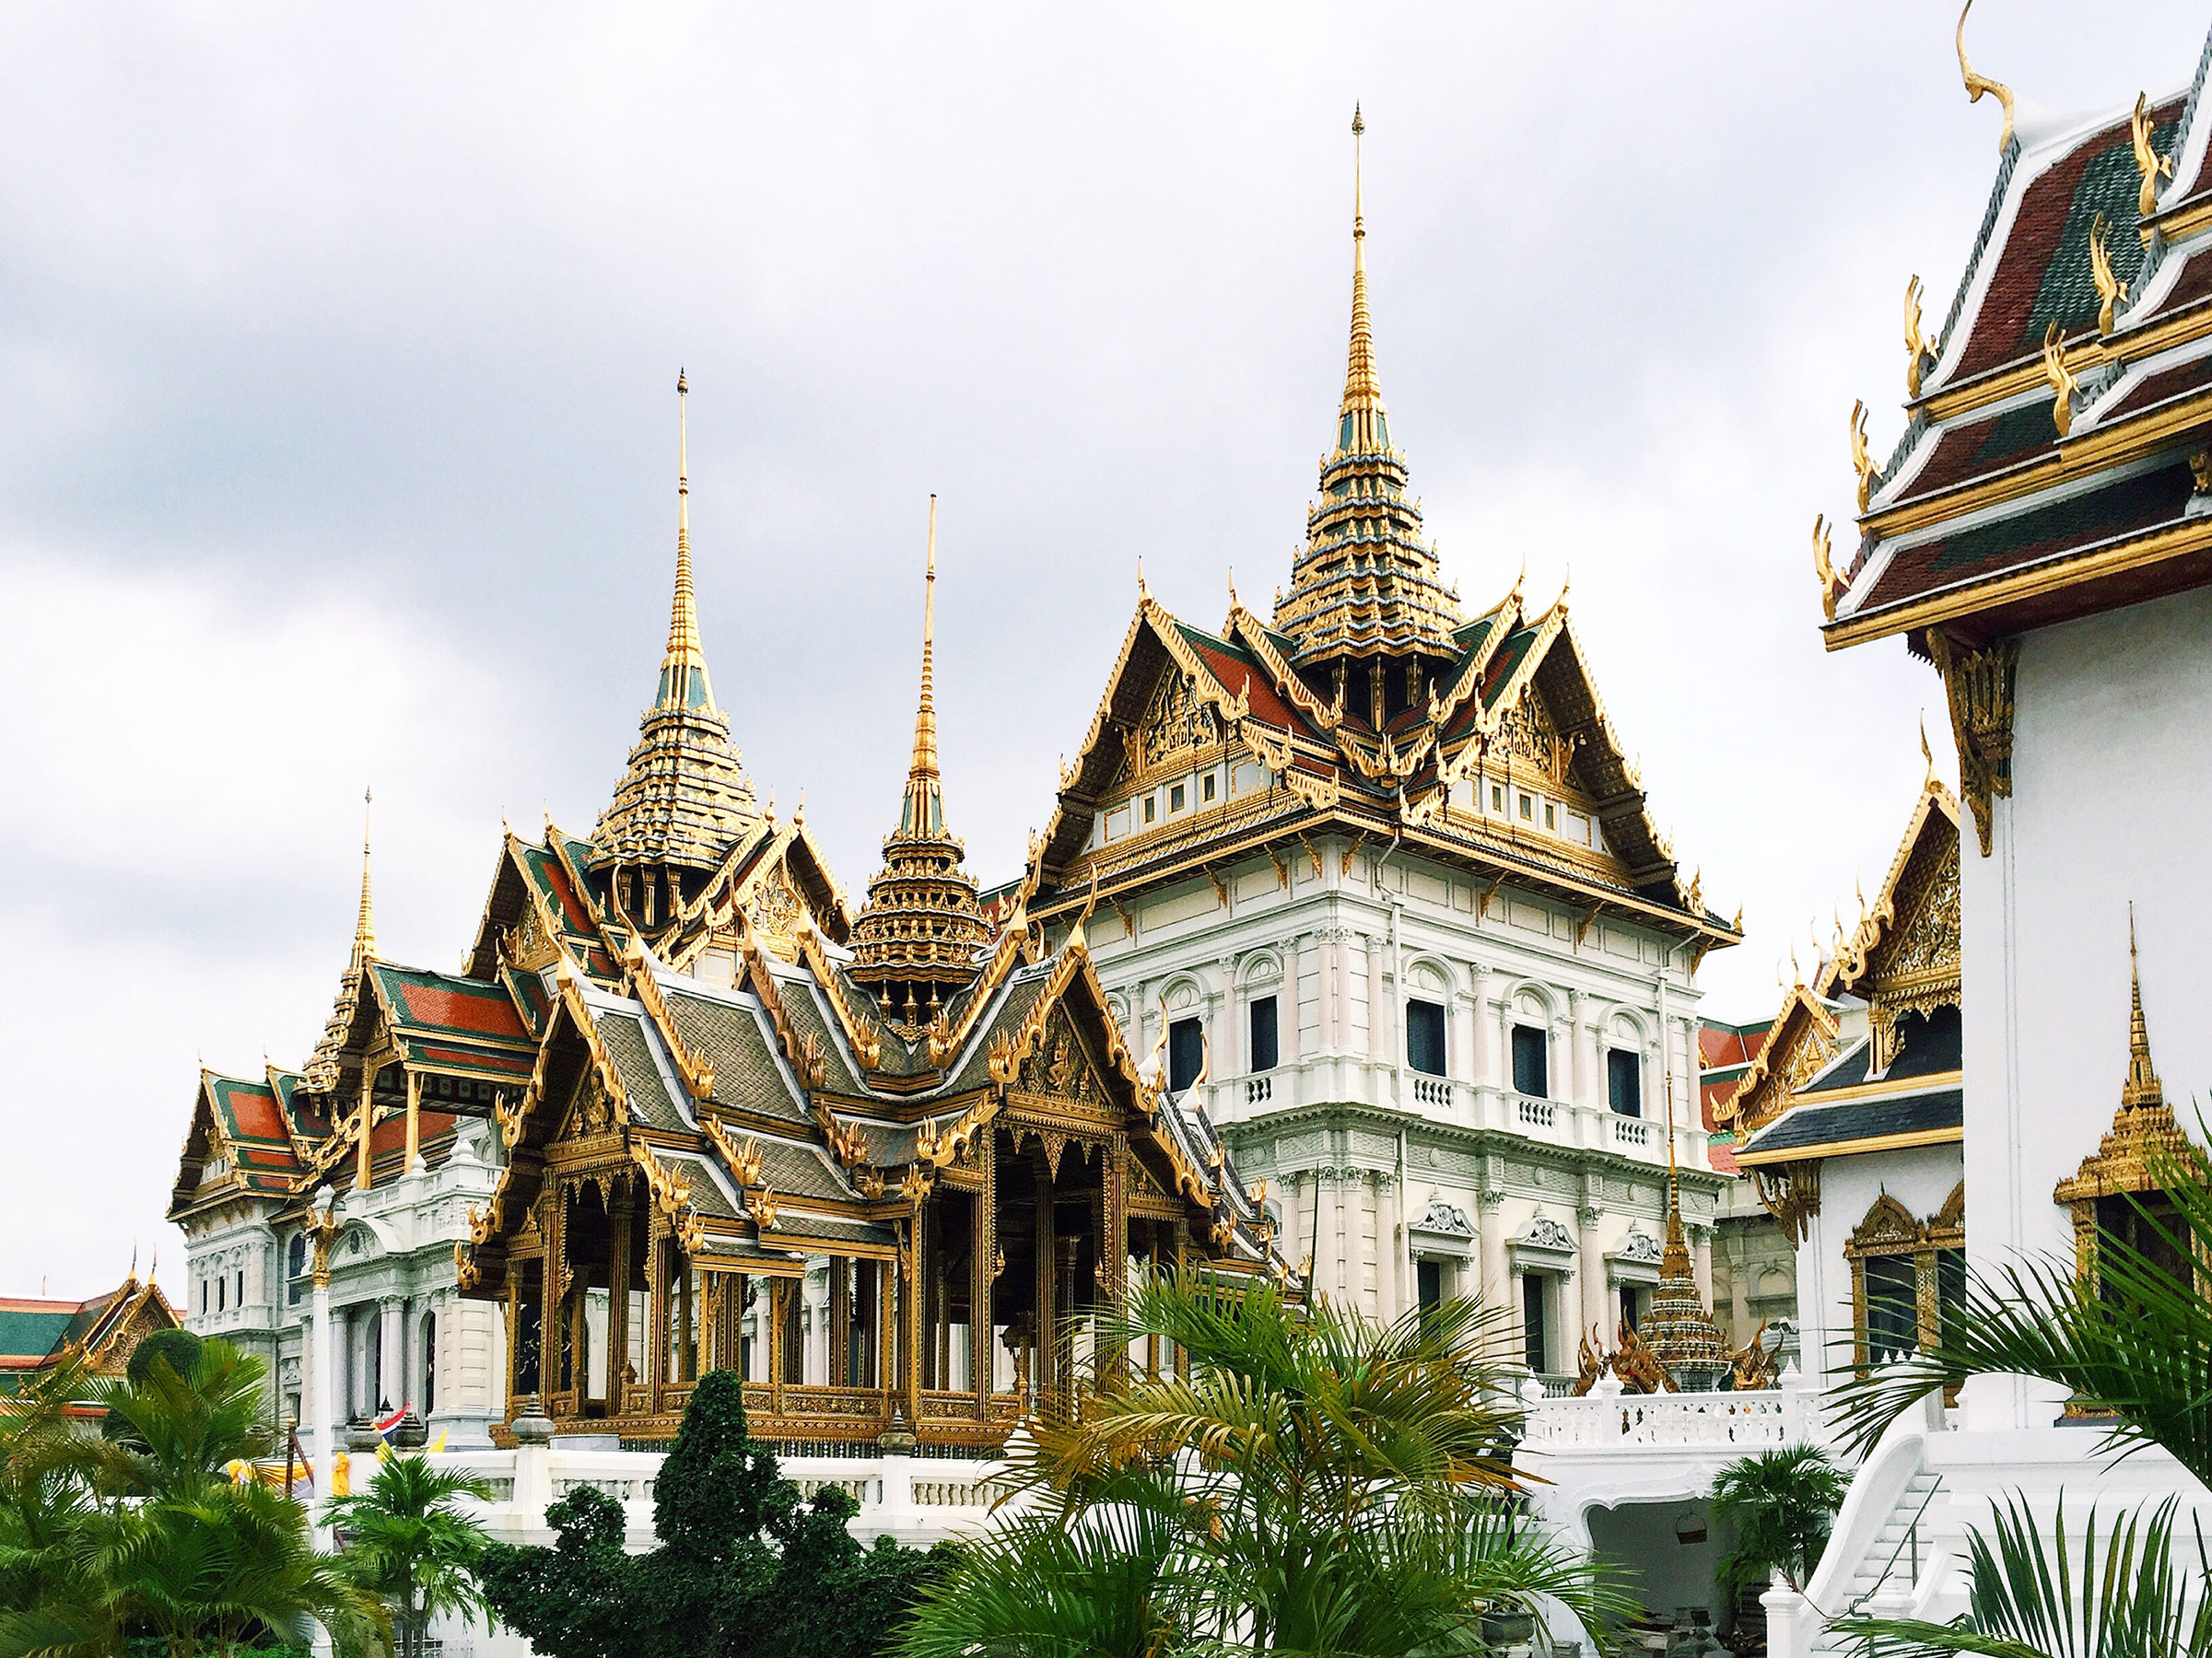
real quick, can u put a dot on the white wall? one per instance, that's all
(2111, 741)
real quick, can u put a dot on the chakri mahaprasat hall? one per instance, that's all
(1350, 959)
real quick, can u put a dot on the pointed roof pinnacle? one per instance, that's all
(365, 931)
(684, 682)
(1362, 388)
(2143, 1086)
(925, 716)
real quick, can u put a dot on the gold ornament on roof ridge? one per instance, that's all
(2150, 167)
(2064, 386)
(1978, 84)
(1918, 358)
(2111, 290)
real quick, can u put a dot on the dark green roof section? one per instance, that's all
(626, 1044)
(27, 1332)
(732, 1038)
(800, 1170)
(802, 1006)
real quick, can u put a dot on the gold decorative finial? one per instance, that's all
(1142, 591)
(1978, 84)
(1918, 358)
(2061, 379)
(925, 716)
(1927, 754)
(1862, 463)
(2143, 1086)
(683, 665)
(1363, 385)
(1234, 603)
(2111, 290)
(2150, 167)
(365, 932)
(1823, 566)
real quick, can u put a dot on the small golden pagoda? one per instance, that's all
(917, 944)
(684, 799)
(1679, 1331)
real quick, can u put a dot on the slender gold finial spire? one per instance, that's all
(2143, 1086)
(684, 667)
(1362, 387)
(365, 931)
(925, 716)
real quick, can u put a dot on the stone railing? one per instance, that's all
(1610, 1420)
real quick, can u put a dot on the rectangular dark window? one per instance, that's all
(2148, 1223)
(1186, 1053)
(1152, 808)
(1430, 1276)
(1892, 1308)
(1950, 1285)
(1531, 1062)
(1536, 1343)
(1263, 1033)
(1206, 786)
(1632, 1305)
(1175, 797)
(222, 1286)
(1624, 1081)
(1424, 1037)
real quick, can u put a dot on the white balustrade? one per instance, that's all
(1771, 1417)
(1630, 1131)
(1538, 1114)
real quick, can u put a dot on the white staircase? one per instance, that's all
(1891, 1562)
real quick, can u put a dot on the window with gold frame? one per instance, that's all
(1905, 1273)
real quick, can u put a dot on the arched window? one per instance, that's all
(295, 1268)
(1906, 1275)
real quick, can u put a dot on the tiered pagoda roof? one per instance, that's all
(919, 942)
(685, 799)
(1367, 583)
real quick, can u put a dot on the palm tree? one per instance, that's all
(1317, 1484)
(2134, 1343)
(408, 1541)
(1780, 1504)
(140, 1530)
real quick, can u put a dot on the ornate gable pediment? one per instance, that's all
(1061, 1066)
(1528, 739)
(1804, 1039)
(1175, 726)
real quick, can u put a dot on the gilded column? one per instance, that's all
(1114, 1241)
(618, 1298)
(913, 1316)
(550, 1222)
(985, 1273)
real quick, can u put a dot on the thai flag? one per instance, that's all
(384, 1425)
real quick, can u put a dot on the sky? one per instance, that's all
(338, 362)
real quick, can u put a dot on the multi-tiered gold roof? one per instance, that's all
(916, 945)
(1366, 584)
(684, 799)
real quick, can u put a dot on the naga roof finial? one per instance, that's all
(1978, 84)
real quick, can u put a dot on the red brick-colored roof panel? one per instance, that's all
(488, 1012)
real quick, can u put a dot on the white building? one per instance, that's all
(2042, 536)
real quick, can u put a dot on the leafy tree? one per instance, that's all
(743, 1564)
(408, 1542)
(139, 1536)
(1319, 1484)
(1780, 1502)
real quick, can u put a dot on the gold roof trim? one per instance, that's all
(641, 983)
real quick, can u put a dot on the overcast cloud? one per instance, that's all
(337, 348)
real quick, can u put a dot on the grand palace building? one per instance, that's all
(1350, 959)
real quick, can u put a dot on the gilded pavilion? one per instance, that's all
(888, 1163)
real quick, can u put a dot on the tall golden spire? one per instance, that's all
(1363, 426)
(2143, 1086)
(916, 945)
(684, 682)
(1366, 584)
(365, 928)
(925, 716)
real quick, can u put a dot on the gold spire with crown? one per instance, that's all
(321, 1072)
(2142, 1087)
(1367, 585)
(915, 945)
(684, 799)
(1679, 1331)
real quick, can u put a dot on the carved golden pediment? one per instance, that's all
(1528, 738)
(774, 912)
(1175, 726)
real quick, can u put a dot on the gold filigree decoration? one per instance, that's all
(1979, 685)
(1862, 460)
(2150, 167)
(1978, 84)
(804, 1053)
(1175, 726)
(742, 1162)
(845, 1139)
(1791, 1193)
(764, 1208)
(2064, 386)
(2111, 290)
(1832, 585)
(1919, 358)
(860, 1029)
